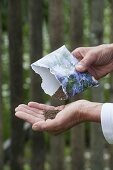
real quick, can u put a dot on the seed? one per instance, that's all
(59, 94)
(50, 114)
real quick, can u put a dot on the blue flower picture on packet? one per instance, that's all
(59, 77)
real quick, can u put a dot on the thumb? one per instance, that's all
(86, 62)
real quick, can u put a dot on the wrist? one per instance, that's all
(91, 112)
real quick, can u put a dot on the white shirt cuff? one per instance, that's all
(107, 121)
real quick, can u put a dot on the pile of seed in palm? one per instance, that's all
(50, 114)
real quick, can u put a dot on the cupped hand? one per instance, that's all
(68, 116)
(98, 61)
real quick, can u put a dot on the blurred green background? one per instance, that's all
(30, 29)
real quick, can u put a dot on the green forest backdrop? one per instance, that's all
(30, 29)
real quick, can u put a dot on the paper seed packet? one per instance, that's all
(59, 77)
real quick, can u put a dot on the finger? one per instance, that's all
(76, 53)
(37, 111)
(39, 126)
(60, 107)
(29, 118)
(40, 106)
(31, 111)
(22, 106)
(48, 125)
(86, 62)
(81, 52)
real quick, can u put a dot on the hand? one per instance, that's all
(68, 116)
(98, 61)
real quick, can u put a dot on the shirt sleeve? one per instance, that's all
(107, 122)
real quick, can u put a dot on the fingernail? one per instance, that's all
(16, 114)
(79, 66)
(16, 108)
(34, 127)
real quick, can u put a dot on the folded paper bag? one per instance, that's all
(59, 77)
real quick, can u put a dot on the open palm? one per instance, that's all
(34, 114)
(68, 116)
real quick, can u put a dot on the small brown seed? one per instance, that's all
(59, 94)
(50, 114)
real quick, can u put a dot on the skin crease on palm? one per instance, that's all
(99, 62)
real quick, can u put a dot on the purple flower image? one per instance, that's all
(76, 83)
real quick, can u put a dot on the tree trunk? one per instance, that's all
(96, 38)
(76, 23)
(56, 40)
(77, 147)
(57, 152)
(16, 81)
(96, 22)
(77, 133)
(56, 23)
(35, 20)
(1, 110)
(77, 144)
